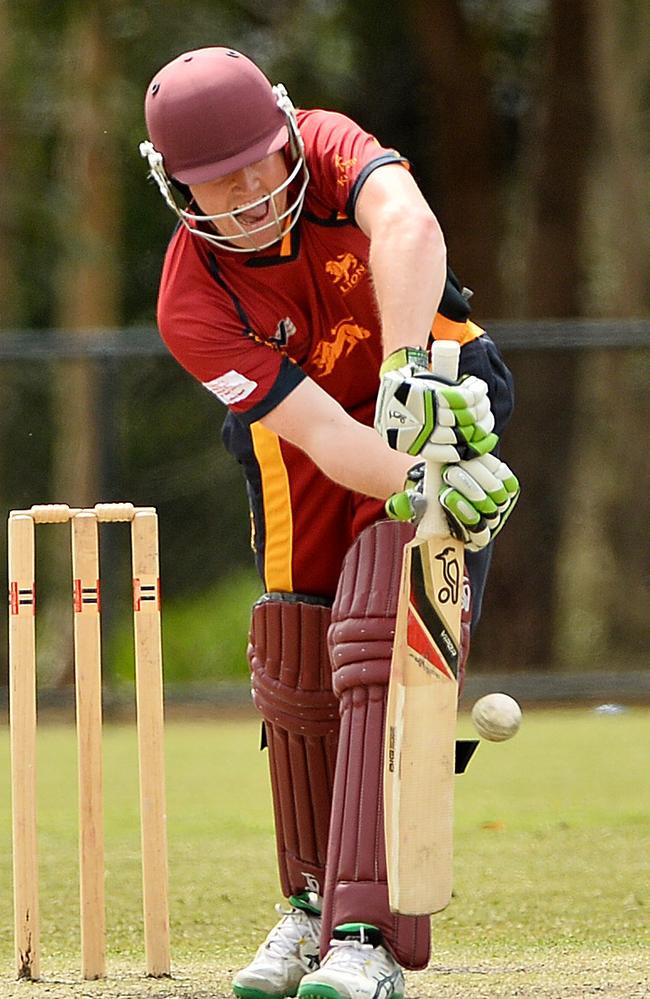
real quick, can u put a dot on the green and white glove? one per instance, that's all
(477, 496)
(423, 414)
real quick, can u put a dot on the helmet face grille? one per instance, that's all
(264, 235)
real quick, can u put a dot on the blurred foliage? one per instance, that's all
(141, 37)
(204, 635)
(429, 79)
(165, 449)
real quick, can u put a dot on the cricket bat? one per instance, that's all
(420, 735)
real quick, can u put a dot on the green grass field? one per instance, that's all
(552, 893)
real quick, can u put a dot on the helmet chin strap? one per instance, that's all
(280, 224)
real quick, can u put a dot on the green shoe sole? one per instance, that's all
(242, 992)
(316, 991)
(319, 992)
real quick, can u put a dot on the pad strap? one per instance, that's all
(292, 689)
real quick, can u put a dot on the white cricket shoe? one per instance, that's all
(290, 951)
(354, 970)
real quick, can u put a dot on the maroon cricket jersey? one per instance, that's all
(251, 326)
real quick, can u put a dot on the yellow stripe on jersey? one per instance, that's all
(447, 329)
(277, 510)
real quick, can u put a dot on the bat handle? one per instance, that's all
(445, 356)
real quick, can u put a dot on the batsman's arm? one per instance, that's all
(348, 452)
(408, 257)
(409, 271)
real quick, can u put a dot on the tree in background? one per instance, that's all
(88, 206)
(549, 265)
(604, 567)
(465, 148)
(87, 211)
(9, 286)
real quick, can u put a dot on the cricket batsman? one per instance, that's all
(302, 286)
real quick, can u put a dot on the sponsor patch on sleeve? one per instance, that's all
(231, 388)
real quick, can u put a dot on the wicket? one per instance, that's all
(88, 695)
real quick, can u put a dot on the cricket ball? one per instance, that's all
(496, 717)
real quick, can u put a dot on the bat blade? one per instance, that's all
(420, 736)
(421, 729)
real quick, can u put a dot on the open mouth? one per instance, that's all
(255, 215)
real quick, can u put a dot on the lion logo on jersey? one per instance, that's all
(341, 267)
(346, 335)
(343, 166)
(346, 271)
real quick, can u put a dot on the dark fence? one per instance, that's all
(143, 341)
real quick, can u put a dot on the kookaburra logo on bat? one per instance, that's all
(450, 592)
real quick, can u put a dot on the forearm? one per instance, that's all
(360, 461)
(408, 257)
(409, 266)
(346, 451)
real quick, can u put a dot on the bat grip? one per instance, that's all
(445, 356)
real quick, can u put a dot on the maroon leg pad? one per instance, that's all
(292, 688)
(361, 639)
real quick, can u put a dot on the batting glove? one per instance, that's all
(424, 414)
(477, 496)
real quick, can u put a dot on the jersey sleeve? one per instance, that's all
(340, 156)
(203, 327)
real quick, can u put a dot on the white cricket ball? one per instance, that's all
(496, 717)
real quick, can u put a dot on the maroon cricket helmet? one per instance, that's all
(210, 112)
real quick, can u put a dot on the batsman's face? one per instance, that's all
(247, 203)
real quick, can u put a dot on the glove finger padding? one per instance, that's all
(422, 414)
(493, 477)
(464, 407)
(478, 497)
(463, 417)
